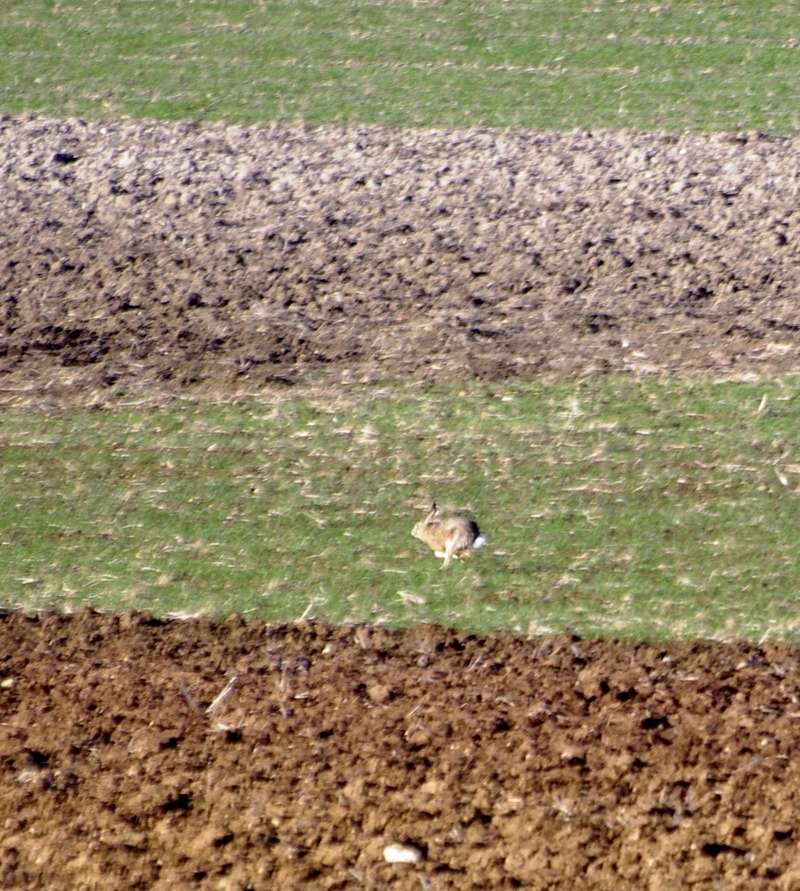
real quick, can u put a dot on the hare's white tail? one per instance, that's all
(480, 542)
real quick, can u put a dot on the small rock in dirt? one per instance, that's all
(397, 853)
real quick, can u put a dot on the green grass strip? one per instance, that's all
(614, 508)
(542, 65)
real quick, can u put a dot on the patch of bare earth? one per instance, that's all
(141, 256)
(498, 763)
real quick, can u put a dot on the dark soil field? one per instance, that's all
(498, 763)
(139, 261)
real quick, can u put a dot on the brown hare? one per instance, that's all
(450, 536)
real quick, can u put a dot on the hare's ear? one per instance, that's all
(434, 511)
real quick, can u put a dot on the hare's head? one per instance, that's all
(424, 528)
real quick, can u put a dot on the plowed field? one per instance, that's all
(149, 259)
(161, 257)
(549, 763)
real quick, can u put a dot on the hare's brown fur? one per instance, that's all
(452, 537)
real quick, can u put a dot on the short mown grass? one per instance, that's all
(545, 65)
(615, 507)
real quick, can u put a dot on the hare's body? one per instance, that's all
(451, 537)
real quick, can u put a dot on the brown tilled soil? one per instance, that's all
(144, 260)
(171, 256)
(550, 763)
